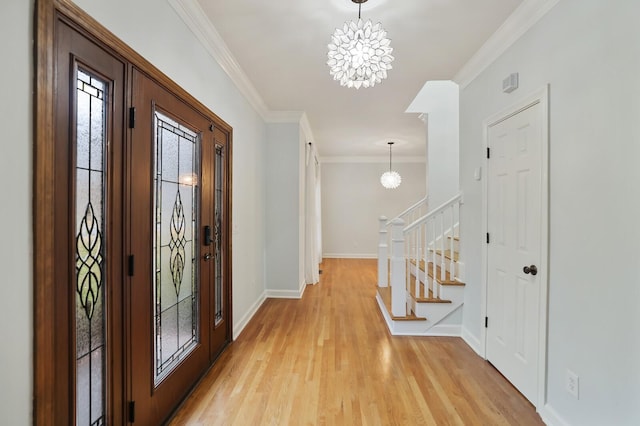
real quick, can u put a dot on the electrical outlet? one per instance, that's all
(573, 384)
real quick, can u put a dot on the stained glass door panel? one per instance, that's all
(90, 277)
(219, 208)
(176, 278)
(221, 266)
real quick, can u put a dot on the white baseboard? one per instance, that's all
(383, 311)
(472, 341)
(350, 256)
(286, 294)
(550, 416)
(444, 330)
(237, 328)
(274, 294)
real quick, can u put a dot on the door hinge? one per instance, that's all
(131, 412)
(487, 238)
(132, 117)
(211, 127)
(130, 261)
(486, 322)
(488, 152)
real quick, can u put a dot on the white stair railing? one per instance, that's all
(425, 241)
(385, 247)
(431, 241)
(415, 211)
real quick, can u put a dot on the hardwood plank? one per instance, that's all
(329, 359)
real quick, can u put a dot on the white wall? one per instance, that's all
(285, 219)
(16, 250)
(439, 102)
(588, 51)
(353, 199)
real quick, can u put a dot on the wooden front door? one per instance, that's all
(141, 266)
(170, 288)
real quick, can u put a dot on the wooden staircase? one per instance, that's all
(448, 290)
(385, 294)
(434, 288)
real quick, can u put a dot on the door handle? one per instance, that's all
(208, 256)
(533, 270)
(207, 235)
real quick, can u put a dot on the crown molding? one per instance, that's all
(283, 116)
(196, 20)
(517, 24)
(372, 160)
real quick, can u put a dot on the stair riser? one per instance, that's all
(433, 312)
(452, 292)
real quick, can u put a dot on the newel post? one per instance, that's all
(383, 254)
(398, 270)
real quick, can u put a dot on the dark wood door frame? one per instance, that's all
(50, 406)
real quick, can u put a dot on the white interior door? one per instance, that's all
(514, 222)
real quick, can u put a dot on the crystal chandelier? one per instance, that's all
(390, 179)
(359, 53)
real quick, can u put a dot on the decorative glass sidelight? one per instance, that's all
(90, 248)
(219, 209)
(175, 286)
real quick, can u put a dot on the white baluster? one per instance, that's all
(398, 270)
(383, 254)
(452, 263)
(435, 288)
(407, 284)
(443, 268)
(418, 238)
(425, 253)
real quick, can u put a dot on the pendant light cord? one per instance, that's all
(390, 156)
(359, 9)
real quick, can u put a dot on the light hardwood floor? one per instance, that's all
(329, 359)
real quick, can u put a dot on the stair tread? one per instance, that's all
(447, 277)
(385, 293)
(447, 254)
(420, 298)
(454, 238)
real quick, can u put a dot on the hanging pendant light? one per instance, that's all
(390, 179)
(359, 53)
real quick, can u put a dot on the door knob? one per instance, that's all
(208, 256)
(533, 270)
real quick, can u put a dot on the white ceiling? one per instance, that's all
(281, 45)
